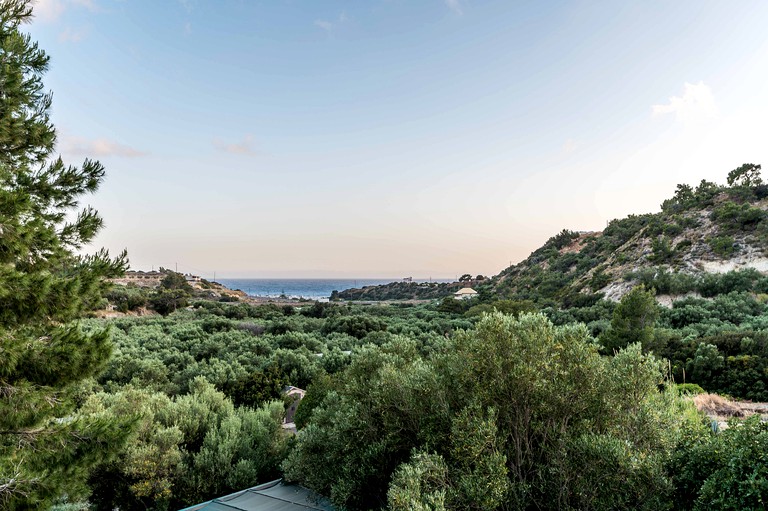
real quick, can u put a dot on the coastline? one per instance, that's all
(295, 289)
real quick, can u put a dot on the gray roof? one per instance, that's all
(273, 496)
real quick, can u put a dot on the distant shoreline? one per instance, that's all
(304, 288)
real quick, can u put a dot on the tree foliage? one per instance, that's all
(517, 414)
(633, 320)
(726, 471)
(46, 446)
(746, 175)
(187, 449)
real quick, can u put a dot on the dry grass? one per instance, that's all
(715, 405)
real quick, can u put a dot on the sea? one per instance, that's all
(314, 289)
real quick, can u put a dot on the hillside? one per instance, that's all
(701, 231)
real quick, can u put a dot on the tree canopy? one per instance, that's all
(46, 447)
(747, 174)
(516, 414)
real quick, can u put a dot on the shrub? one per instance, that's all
(662, 249)
(596, 430)
(166, 301)
(723, 246)
(599, 280)
(732, 216)
(689, 389)
(713, 284)
(357, 326)
(683, 245)
(728, 470)
(634, 319)
(127, 298)
(253, 328)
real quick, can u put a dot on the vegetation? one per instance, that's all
(723, 471)
(633, 322)
(47, 445)
(539, 393)
(707, 223)
(433, 400)
(406, 290)
(206, 387)
(515, 414)
(187, 449)
(457, 404)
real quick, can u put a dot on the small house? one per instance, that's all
(464, 293)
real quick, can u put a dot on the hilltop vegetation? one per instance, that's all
(163, 296)
(701, 256)
(403, 291)
(707, 229)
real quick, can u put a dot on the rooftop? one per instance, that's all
(272, 496)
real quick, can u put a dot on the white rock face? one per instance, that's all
(668, 300)
(759, 263)
(747, 257)
(616, 290)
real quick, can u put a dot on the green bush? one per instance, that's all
(599, 280)
(689, 389)
(683, 245)
(126, 298)
(734, 217)
(725, 471)
(453, 306)
(357, 326)
(662, 250)
(166, 301)
(672, 230)
(633, 321)
(723, 246)
(713, 284)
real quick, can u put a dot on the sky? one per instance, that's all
(394, 138)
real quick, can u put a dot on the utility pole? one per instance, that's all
(177, 267)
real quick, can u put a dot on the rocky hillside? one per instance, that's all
(709, 229)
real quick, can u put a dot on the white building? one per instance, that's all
(192, 278)
(465, 293)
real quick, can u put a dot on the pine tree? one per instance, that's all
(46, 448)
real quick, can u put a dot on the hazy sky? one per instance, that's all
(388, 138)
